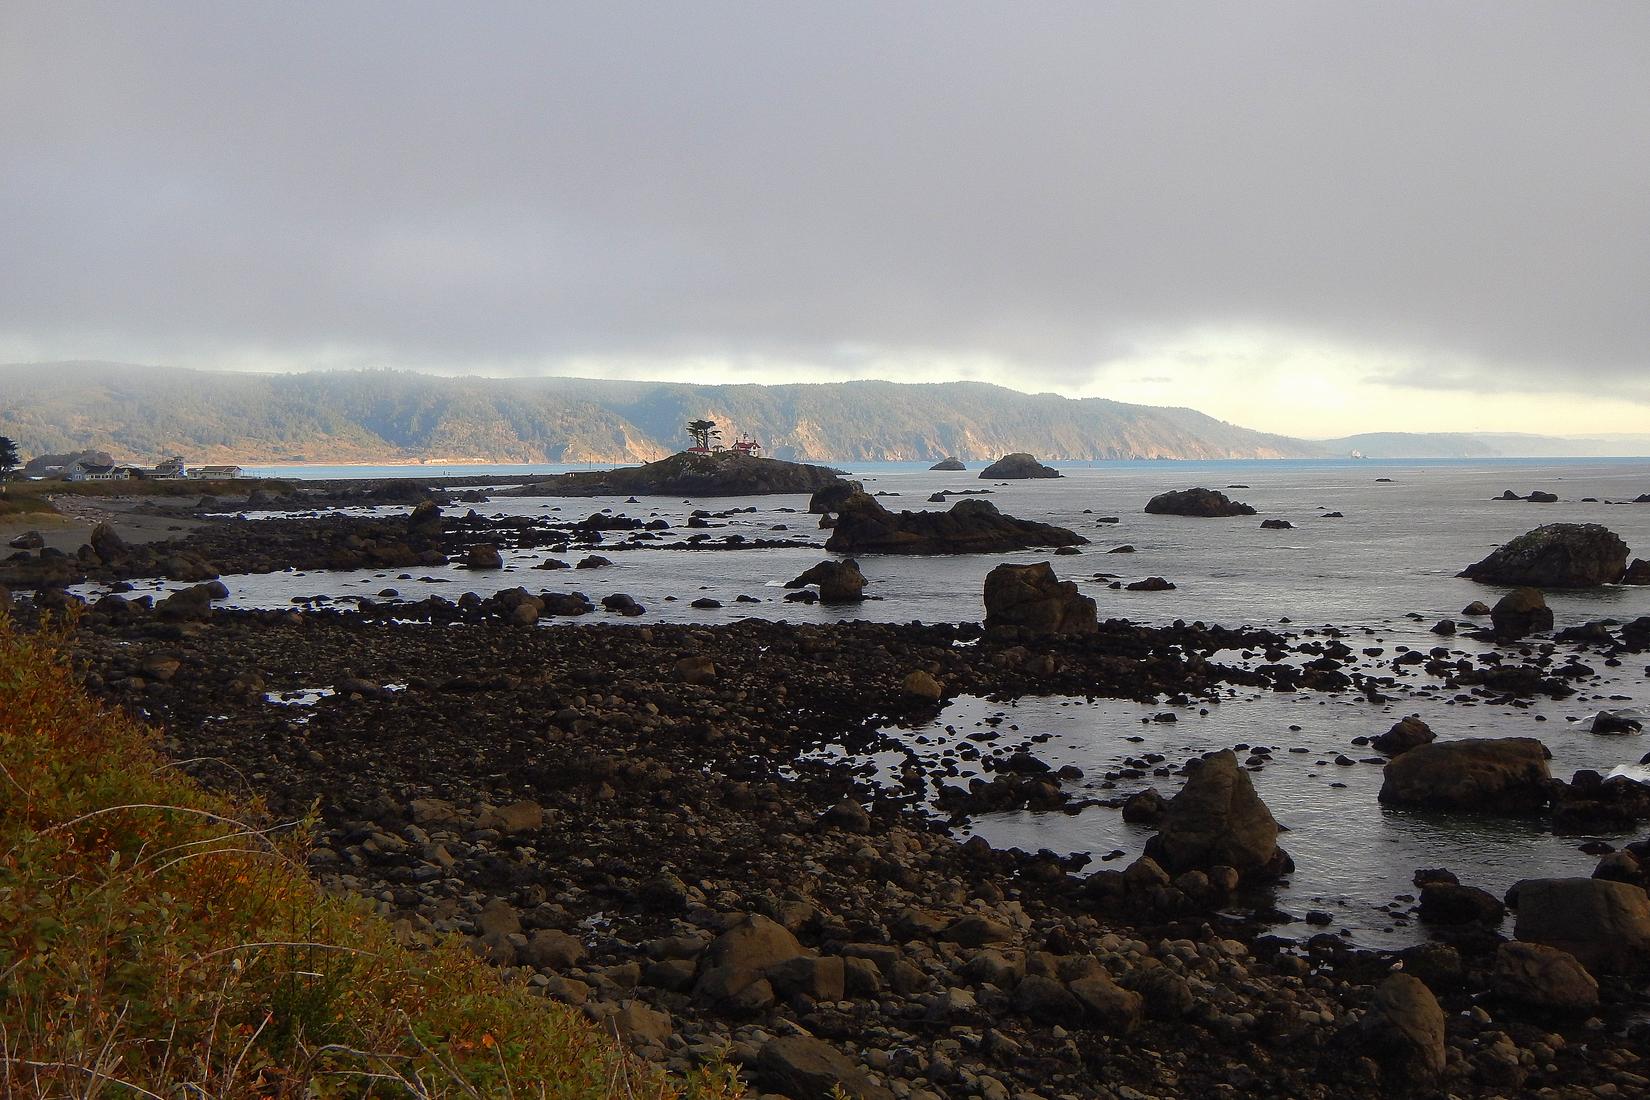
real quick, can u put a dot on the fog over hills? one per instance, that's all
(140, 413)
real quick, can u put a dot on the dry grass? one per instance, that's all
(160, 941)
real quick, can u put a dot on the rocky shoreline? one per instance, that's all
(632, 818)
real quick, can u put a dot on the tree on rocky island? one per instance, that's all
(702, 432)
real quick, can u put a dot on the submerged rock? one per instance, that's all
(1207, 503)
(1558, 555)
(1499, 774)
(1017, 466)
(864, 526)
(1032, 599)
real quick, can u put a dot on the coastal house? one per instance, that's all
(89, 471)
(170, 469)
(215, 473)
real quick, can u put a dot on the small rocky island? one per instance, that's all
(1207, 503)
(716, 474)
(1017, 467)
(950, 464)
(864, 526)
(1558, 555)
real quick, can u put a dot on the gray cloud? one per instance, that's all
(1046, 185)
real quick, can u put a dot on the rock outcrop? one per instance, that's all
(722, 474)
(838, 581)
(950, 464)
(1604, 924)
(864, 526)
(1217, 819)
(1498, 774)
(1017, 466)
(1558, 555)
(1208, 503)
(1030, 598)
(1404, 1031)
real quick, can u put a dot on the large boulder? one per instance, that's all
(1218, 819)
(1604, 924)
(741, 957)
(1497, 774)
(107, 544)
(483, 556)
(838, 581)
(1032, 599)
(1543, 978)
(1637, 573)
(1519, 613)
(805, 1068)
(1196, 502)
(864, 526)
(1017, 466)
(1404, 1031)
(28, 540)
(950, 464)
(1558, 555)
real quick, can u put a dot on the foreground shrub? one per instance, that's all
(157, 940)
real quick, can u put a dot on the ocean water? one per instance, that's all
(1407, 529)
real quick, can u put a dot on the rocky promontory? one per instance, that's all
(1017, 467)
(721, 474)
(1557, 555)
(864, 526)
(1207, 503)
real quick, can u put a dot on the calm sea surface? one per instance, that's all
(1395, 552)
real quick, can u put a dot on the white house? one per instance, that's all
(215, 473)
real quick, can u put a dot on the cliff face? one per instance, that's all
(139, 413)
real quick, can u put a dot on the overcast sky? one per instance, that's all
(1305, 217)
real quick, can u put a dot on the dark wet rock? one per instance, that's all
(1277, 525)
(1499, 774)
(1452, 903)
(723, 474)
(1637, 573)
(1519, 613)
(1544, 978)
(864, 526)
(1031, 599)
(425, 520)
(1558, 555)
(951, 464)
(1207, 503)
(838, 581)
(1217, 819)
(696, 669)
(1124, 549)
(1476, 608)
(1405, 734)
(804, 1068)
(1539, 497)
(1444, 628)
(1604, 924)
(1017, 466)
(1616, 722)
(1150, 584)
(1145, 807)
(482, 556)
(28, 540)
(622, 603)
